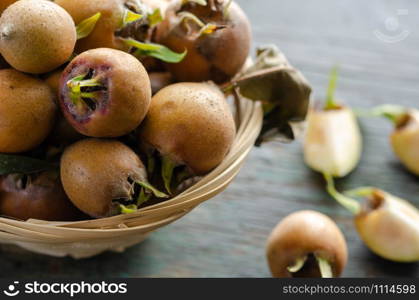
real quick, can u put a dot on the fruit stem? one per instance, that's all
(200, 2)
(391, 112)
(227, 8)
(325, 267)
(152, 189)
(167, 172)
(205, 28)
(298, 265)
(184, 15)
(330, 99)
(350, 204)
(360, 192)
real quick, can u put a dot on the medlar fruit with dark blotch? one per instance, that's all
(217, 37)
(36, 196)
(104, 93)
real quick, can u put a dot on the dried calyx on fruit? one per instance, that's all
(215, 33)
(125, 25)
(36, 36)
(282, 89)
(188, 130)
(306, 244)
(105, 177)
(104, 93)
(333, 142)
(388, 225)
(36, 196)
(405, 137)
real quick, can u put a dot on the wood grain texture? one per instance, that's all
(225, 237)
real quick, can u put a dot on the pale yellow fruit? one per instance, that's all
(333, 142)
(390, 228)
(405, 141)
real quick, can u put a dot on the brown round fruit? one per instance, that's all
(105, 93)
(216, 56)
(5, 4)
(39, 196)
(53, 81)
(98, 174)
(109, 27)
(306, 236)
(191, 124)
(27, 109)
(36, 36)
(159, 80)
(63, 133)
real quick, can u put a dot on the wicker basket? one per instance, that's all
(88, 238)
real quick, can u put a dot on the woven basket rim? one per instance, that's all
(148, 219)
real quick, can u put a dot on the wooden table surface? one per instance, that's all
(225, 237)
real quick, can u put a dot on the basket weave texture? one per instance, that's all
(84, 239)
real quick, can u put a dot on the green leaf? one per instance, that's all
(155, 17)
(167, 172)
(142, 198)
(157, 51)
(152, 189)
(130, 16)
(85, 27)
(129, 209)
(11, 164)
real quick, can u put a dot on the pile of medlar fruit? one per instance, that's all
(111, 105)
(108, 106)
